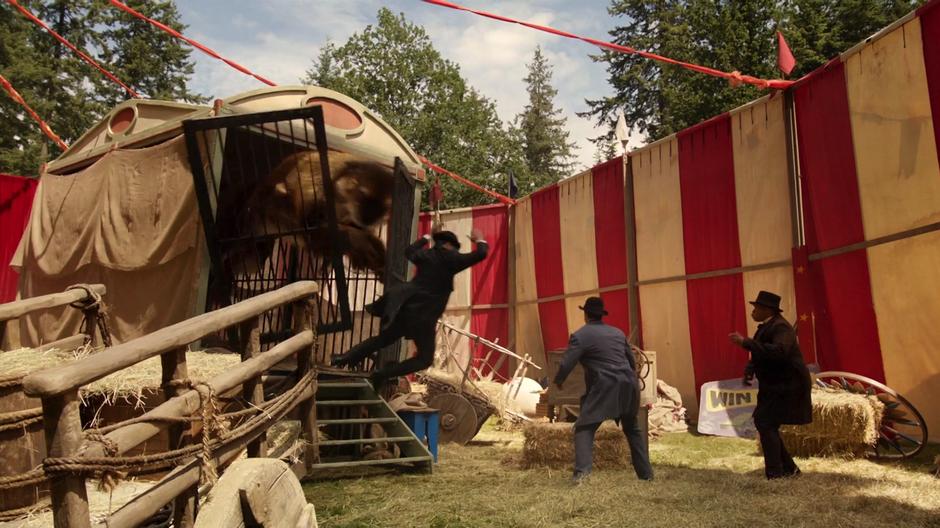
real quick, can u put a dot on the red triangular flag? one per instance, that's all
(785, 60)
(436, 194)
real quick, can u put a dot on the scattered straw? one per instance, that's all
(25, 361)
(100, 504)
(552, 445)
(844, 424)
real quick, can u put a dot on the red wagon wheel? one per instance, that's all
(903, 431)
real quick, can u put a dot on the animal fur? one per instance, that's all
(292, 197)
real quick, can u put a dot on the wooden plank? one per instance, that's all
(74, 375)
(254, 492)
(253, 389)
(350, 421)
(68, 343)
(305, 317)
(335, 403)
(355, 441)
(63, 427)
(130, 436)
(15, 309)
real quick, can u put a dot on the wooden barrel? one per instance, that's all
(22, 445)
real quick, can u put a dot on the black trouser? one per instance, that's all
(777, 461)
(639, 452)
(424, 342)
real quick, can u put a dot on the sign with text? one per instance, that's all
(725, 408)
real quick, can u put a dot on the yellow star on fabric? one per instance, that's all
(800, 269)
(804, 318)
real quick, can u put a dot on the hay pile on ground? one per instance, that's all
(25, 361)
(844, 424)
(552, 445)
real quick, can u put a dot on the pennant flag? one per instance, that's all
(621, 130)
(436, 194)
(785, 59)
(513, 185)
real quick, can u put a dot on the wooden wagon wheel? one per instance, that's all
(457, 417)
(903, 431)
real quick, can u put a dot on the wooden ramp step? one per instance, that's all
(387, 461)
(354, 441)
(343, 384)
(350, 421)
(343, 403)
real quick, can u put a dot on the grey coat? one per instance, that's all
(610, 379)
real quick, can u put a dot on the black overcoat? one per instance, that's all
(419, 303)
(611, 389)
(783, 394)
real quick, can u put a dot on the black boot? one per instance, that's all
(340, 360)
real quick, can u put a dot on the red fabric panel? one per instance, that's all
(710, 239)
(805, 304)
(618, 309)
(549, 281)
(490, 278)
(492, 324)
(424, 224)
(16, 201)
(610, 233)
(930, 35)
(846, 327)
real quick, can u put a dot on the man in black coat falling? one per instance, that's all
(612, 391)
(784, 385)
(412, 309)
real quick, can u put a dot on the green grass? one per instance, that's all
(700, 482)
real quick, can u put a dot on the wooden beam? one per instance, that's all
(305, 316)
(63, 428)
(633, 294)
(15, 309)
(253, 389)
(57, 380)
(68, 343)
(487, 343)
(130, 436)
(174, 368)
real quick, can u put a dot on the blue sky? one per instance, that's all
(278, 39)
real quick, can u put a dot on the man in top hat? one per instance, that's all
(783, 394)
(612, 391)
(412, 309)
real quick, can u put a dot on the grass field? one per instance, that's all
(700, 482)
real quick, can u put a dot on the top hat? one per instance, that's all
(446, 236)
(594, 306)
(768, 300)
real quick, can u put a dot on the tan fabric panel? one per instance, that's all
(895, 150)
(761, 183)
(523, 254)
(138, 302)
(132, 209)
(578, 252)
(659, 245)
(529, 333)
(461, 223)
(665, 314)
(458, 345)
(777, 280)
(905, 283)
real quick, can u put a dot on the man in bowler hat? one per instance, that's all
(412, 309)
(612, 391)
(783, 394)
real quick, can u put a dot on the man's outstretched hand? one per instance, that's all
(476, 235)
(736, 338)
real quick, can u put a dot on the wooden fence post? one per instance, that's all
(305, 319)
(253, 389)
(63, 428)
(180, 435)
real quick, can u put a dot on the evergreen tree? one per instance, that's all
(660, 99)
(547, 149)
(393, 69)
(66, 92)
(606, 149)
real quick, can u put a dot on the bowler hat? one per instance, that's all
(768, 300)
(446, 236)
(594, 306)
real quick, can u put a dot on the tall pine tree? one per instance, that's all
(68, 93)
(547, 149)
(659, 99)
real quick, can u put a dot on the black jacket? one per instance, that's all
(784, 383)
(421, 301)
(611, 389)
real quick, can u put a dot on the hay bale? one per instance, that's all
(25, 361)
(844, 424)
(552, 445)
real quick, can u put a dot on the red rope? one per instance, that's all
(72, 47)
(735, 77)
(42, 124)
(191, 42)
(440, 170)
